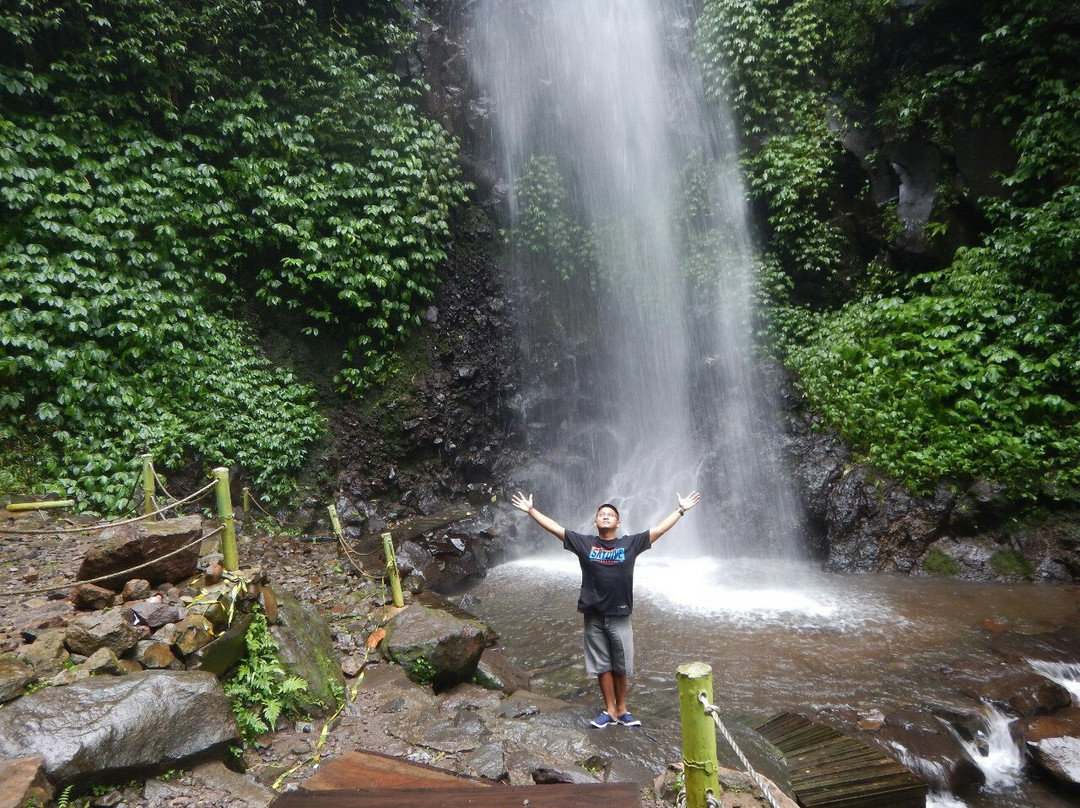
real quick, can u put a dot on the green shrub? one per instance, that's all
(1010, 563)
(938, 562)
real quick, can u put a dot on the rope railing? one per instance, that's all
(761, 782)
(118, 573)
(105, 525)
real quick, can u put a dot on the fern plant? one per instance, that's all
(260, 690)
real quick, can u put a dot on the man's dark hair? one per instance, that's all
(609, 505)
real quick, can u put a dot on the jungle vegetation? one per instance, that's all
(958, 360)
(170, 173)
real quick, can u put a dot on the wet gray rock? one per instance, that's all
(157, 613)
(922, 743)
(1054, 743)
(130, 545)
(575, 775)
(306, 649)
(1014, 688)
(488, 760)
(112, 629)
(107, 727)
(15, 675)
(498, 672)
(432, 642)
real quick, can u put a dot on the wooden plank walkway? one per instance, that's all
(372, 780)
(831, 770)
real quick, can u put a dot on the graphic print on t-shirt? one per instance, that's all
(602, 555)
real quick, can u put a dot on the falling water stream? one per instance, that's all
(637, 263)
(649, 275)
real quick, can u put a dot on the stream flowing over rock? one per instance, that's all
(108, 726)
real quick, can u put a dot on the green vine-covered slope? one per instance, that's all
(166, 171)
(961, 361)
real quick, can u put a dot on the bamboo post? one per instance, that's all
(335, 521)
(698, 735)
(247, 502)
(147, 483)
(391, 567)
(41, 506)
(231, 560)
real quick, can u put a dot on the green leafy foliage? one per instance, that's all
(546, 230)
(166, 168)
(938, 562)
(968, 375)
(260, 691)
(967, 371)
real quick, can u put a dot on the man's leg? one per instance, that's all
(608, 690)
(619, 692)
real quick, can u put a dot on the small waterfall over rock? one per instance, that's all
(631, 252)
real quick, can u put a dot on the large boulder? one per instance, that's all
(1015, 688)
(927, 747)
(306, 649)
(118, 726)
(128, 546)
(1054, 743)
(434, 645)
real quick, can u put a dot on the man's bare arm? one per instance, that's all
(685, 504)
(525, 503)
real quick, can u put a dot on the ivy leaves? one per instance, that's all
(970, 371)
(162, 168)
(966, 376)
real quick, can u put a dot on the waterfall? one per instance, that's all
(996, 752)
(630, 249)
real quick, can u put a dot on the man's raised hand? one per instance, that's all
(522, 502)
(689, 501)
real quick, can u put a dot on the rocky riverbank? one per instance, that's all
(519, 739)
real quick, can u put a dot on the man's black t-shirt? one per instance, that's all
(607, 571)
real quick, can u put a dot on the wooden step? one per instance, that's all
(372, 780)
(599, 795)
(828, 769)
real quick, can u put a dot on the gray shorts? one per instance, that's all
(609, 645)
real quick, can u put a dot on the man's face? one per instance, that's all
(607, 518)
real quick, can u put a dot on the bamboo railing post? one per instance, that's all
(230, 560)
(335, 520)
(698, 735)
(147, 483)
(247, 502)
(391, 567)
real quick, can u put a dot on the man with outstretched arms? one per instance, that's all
(607, 595)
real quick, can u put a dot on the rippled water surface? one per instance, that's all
(778, 636)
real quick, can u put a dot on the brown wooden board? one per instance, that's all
(600, 795)
(371, 770)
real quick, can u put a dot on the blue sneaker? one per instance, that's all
(603, 720)
(628, 720)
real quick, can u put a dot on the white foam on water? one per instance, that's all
(1066, 674)
(996, 753)
(740, 590)
(938, 799)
